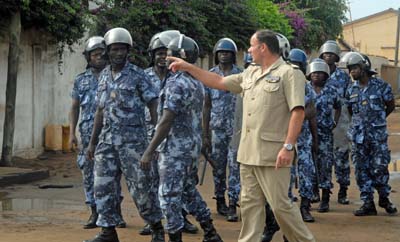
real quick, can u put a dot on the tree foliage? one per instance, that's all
(64, 20)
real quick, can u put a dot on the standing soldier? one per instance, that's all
(370, 100)
(219, 109)
(328, 108)
(83, 97)
(178, 138)
(158, 72)
(340, 80)
(123, 92)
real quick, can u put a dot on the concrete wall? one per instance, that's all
(391, 74)
(373, 35)
(42, 90)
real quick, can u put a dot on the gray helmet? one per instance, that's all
(318, 65)
(330, 46)
(155, 43)
(184, 47)
(225, 44)
(284, 46)
(93, 43)
(118, 35)
(355, 58)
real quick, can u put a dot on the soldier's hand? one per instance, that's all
(145, 161)
(284, 158)
(177, 64)
(90, 152)
(73, 142)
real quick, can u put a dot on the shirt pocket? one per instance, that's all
(127, 96)
(271, 87)
(376, 103)
(271, 144)
(353, 102)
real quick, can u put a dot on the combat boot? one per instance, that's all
(188, 227)
(122, 223)
(384, 202)
(210, 234)
(342, 196)
(367, 209)
(106, 235)
(316, 197)
(232, 216)
(324, 204)
(146, 230)
(271, 226)
(157, 232)
(305, 210)
(176, 237)
(91, 223)
(222, 209)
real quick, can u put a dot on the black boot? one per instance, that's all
(122, 223)
(157, 232)
(316, 197)
(367, 209)
(222, 209)
(146, 230)
(324, 204)
(176, 237)
(188, 227)
(385, 203)
(232, 215)
(271, 226)
(210, 234)
(305, 210)
(342, 196)
(91, 223)
(106, 235)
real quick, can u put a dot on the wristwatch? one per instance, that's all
(288, 147)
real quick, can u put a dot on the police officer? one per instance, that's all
(178, 138)
(273, 112)
(328, 108)
(123, 92)
(158, 72)
(340, 80)
(83, 98)
(219, 109)
(370, 100)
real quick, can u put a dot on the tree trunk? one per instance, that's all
(11, 90)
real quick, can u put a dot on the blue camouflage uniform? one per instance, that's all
(368, 133)
(325, 103)
(221, 125)
(121, 144)
(340, 80)
(179, 152)
(305, 163)
(84, 90)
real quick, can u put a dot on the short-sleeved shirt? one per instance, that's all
(369, 110)
(340, 80)
(123, 100)
(184, 96)
(84, 90)
(268, 99)
(222, 104)
(325, 103)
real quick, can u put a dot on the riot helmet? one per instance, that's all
(330, 46)
(118, 35)
(369, 65)
(184, 47)
(318, 65)
(298, 57)
(93, 43)
(225, 44)
(284, 46)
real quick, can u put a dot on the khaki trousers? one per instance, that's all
(262, 182)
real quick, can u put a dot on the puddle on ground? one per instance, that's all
(23, 204)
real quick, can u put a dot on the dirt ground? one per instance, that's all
(30, 214)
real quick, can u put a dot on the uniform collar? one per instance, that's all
(274, 66)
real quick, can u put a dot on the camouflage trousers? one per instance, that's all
(220, 154)
(234, 175)
(324, 158)
(178, 180)
(371, 160)
(111, 161)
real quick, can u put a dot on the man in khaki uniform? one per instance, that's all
(273, 112)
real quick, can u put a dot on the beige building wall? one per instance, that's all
(374, 34)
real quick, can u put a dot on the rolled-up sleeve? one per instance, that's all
(294, 88)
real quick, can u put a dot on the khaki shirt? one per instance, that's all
(268, 99)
